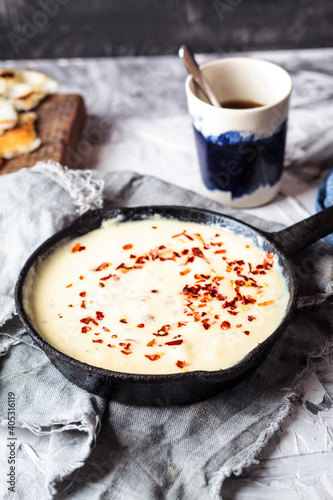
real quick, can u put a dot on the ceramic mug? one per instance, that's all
(241, 150)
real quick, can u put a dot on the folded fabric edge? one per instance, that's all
(84, 190)
(63, 475)
(294, 393)
(7, 312)
(54, 485)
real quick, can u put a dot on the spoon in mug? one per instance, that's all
(186, 55)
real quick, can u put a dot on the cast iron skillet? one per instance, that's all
(179, 388)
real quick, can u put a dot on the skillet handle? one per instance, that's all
(295, 238)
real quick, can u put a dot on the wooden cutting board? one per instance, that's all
(60, 122)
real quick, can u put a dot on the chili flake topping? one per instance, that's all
(78, 248)
(187, 276)
(153, 357)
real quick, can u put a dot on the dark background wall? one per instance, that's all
(90, 28)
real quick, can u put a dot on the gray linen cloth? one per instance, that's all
(74, 445)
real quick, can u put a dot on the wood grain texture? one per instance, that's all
(60, 122)
(81, 28)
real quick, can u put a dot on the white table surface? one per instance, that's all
(137, 120)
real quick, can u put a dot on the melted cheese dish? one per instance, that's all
(157, 296)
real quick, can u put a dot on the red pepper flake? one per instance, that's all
(180, 364)
(153, 357)
(186, 271)
(162, 331)
(247, 246)
(185, 251)
(248, 300)
(198, 235)
(103, 266)
(154, 227)
(217, 279)
(206, 326)
(81, 277)
(88, 320)
(99, 315)
(111, 345)
(83, 304)
(85, 329)
(151, 343)
(174, 342)
(128, 246)
(251, 318)
(181, 323)
(70, 305)
(140, 325)
(106, 277)
(127, 349)
(196, 316)
(197, 252)
(102, 285)
(225, 325)
(68, 286)
(106, 329)
(98, 341)
(191, 290)
(230, 304)
(154, 291)
(267, 303)
(270, 255)
(123, 320)
(233, 313)
(183, 234)
(220, 251)
(239, 326)
(78, 248)
(83, 294)
(247, 332)
(132, 256)
(124, 269)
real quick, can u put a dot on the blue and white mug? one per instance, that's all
(241, 150)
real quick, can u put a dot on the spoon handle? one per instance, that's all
(194, 70)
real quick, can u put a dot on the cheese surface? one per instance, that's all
(157, 296)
